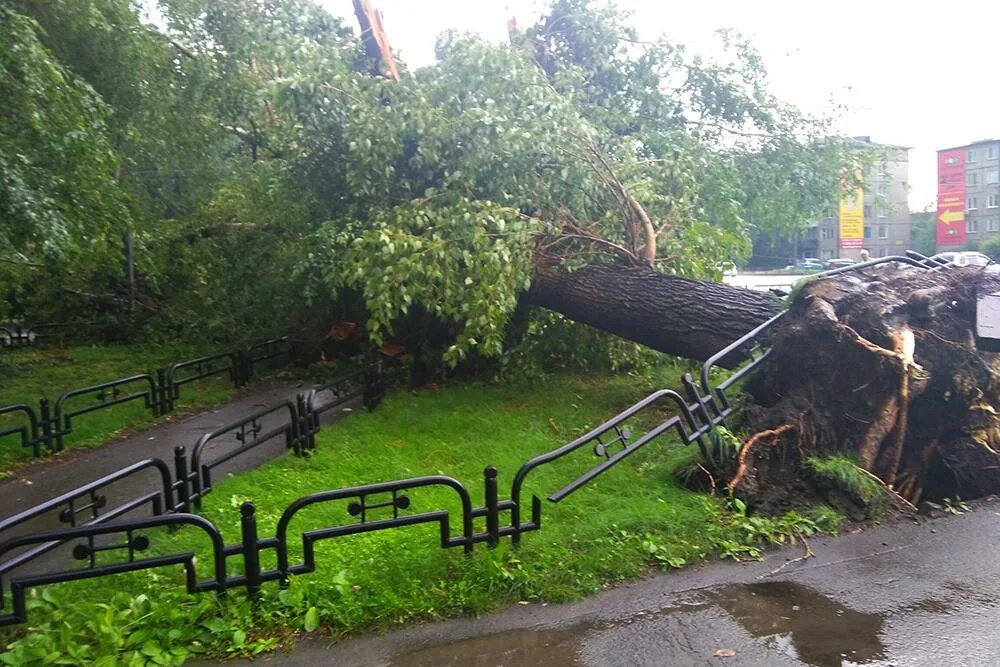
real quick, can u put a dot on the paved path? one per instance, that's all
(910, 594)
(49, 478)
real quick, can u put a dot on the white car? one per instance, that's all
(964, 258)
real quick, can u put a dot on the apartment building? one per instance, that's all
(968, 194)
(886, 212)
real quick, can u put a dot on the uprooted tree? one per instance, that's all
(881, 366)
(578, 169)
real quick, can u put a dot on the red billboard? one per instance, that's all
(951, 198)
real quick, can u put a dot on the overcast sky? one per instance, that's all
(918, 74)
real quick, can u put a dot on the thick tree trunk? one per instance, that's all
(687, 318)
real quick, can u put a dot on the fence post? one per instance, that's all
(700, 410)
(166, 404)
(181, 470)
(304, 419)
(492, 506)
(374, 383)
(46, 417)
(251, 553)
(243, 368)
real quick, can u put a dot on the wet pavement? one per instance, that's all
(912, 593)
(49, 478)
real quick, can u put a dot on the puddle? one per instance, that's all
(517, 648)
(803, 624)
(790, 618)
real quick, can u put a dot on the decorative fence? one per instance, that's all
(44, 430)
(94, 529)
(17, 335)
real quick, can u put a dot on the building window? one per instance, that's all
(881, 189)
(868, 232)
(970, 155)
(993, 176)
(883, 232)
(883, 211)
(971, 204)
(991, 152)
(826, 233)
(882, 252)
(993, 225)
(868, 212)
(971, 178)
(971, 226)
(993, 201)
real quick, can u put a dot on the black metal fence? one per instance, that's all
(19, 335)
(44, 430)
(93, 528)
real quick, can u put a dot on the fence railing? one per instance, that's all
(44, 430)
(19, 335)
(370, 507)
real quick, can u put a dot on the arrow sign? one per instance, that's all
(948, 217)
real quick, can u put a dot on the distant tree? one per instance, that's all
(991, 247)
(923, 232)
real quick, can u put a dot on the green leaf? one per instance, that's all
(311, 621)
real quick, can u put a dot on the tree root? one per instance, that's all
(807, 554)
(711, 479)
(745, 452)
(906, 504)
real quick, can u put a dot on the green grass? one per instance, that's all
(30, 374)
(847, 474)
(610, 531)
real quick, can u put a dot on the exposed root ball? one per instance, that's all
(881, 366)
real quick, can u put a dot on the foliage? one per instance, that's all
(230, 267)
(464, 262)
(552, 343)
(991, 247)
(740, 536)
(845, 473)
(692, 468)
(239, 140)
(610, 531)
(955, 506)
(923, 232)
(59, 201)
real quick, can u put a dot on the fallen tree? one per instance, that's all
(679, 316)
(881, 368)
(590, 204)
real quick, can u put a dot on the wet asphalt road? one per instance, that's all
(49, 478)
(920, 594)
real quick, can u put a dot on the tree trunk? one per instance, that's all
(687, 318)
(878, 366)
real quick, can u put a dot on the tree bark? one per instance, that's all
(680, 316)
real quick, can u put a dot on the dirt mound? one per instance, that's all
(879, 366)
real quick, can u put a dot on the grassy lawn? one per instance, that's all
(32, 373)
(610, 531)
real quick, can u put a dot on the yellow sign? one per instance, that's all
(952, 216)
(852, 220)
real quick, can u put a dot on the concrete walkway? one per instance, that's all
(49, 478)
(923, 593)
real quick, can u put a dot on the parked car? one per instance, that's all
(807, 263)
(839, 262)
(964, 258)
